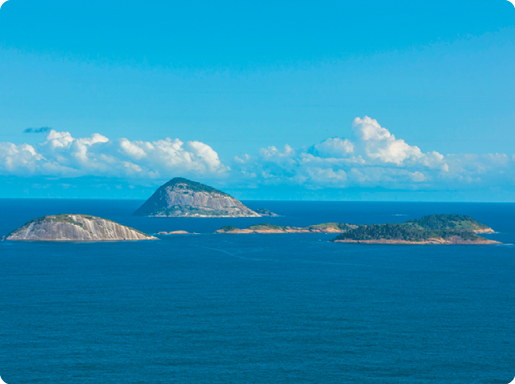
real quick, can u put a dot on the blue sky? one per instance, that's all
(259, 98)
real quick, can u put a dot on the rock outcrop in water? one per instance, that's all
(75, 228)
(185, 198)
(265, 213)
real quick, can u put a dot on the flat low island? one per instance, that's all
(267, 228)
(432, 229)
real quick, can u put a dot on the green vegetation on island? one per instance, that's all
(254, 227)
(455, 222)
(228, 228)
(445, 229)
(193, 186)
(56, 219)
(403, 232)
(266, 226)
(433, 229)
(273, 228)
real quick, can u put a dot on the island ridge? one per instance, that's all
(73, 227)
(185, 198)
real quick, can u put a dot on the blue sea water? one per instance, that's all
(256, 308)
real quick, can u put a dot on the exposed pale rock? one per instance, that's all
(185, 198)
(72, 227)
(176, 233)
(265, 213)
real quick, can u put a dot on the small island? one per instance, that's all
(176, 233)
(73, 227)
(433, 229)
(265, 213)
(267, 228)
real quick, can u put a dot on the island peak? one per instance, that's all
(75, 227)
(181, 197)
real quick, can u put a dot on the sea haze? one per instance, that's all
(277, 308)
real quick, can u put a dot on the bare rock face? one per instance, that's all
(265, 213)
(76, 228)
(184, 198)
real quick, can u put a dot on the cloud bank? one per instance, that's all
(373, 158)
(62, 155)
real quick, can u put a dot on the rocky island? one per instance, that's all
(267, 228)
(176, 233)
(433, 229)
(72, 227)
(185, 198)
(265, 213)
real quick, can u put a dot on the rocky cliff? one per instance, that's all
(75, 228)
(185, 198)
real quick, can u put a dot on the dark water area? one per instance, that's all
(256, 308)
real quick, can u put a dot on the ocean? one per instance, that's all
(218, 308)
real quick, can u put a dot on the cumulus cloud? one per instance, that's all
(62, 155)
(333, 147)
(37, 130)
(374, 158)
(378, 145)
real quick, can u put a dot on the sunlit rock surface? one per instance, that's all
(185, 198)
(71, 227)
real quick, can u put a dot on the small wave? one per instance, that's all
(400, 214)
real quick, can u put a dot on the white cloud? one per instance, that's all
(377, 143)
(65, 156)
(374, 158)
(418, 177)
(333, 147)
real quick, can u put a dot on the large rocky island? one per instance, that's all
(433, 229)
(71, 227)
(185, 198)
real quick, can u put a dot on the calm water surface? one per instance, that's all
(256, 308)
